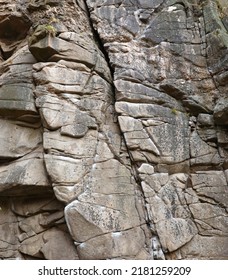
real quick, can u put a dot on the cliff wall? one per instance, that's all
(113, 129)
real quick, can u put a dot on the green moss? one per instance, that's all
(174, 111)
(41, 32)
(49, 29)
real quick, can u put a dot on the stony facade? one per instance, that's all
(113, 129)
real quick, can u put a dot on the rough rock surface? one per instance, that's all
(113, 129)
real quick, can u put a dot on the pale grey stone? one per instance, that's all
(175, 233)
(146, 169)
(17, 141)
(113, 245)
(24, 175)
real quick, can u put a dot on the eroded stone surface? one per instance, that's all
(113, 119)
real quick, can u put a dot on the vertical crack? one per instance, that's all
(98, 40)
(133, 166)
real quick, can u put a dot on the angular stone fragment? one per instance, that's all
(24, 175)
(201, 152)
(210, 219)
(17, 141)
(206, 248)
(175, 233)
(82, 147)
(16, 100)
(117, 244)
(58, 245)
(32, 246)
(211, 185)
(65, 170)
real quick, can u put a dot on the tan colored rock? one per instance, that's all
(58, 245)
(63, 169)
(17, 141)
(119, 245)
(175, 233)
(24, 175)
(117, 115)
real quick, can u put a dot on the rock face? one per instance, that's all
(113, 129)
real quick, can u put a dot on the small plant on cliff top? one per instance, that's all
(49, 29)
(41, 32)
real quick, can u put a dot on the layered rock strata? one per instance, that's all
(113, 118)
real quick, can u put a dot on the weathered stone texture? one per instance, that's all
(113, 129)
(169, 63)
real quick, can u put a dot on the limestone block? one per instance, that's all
(205, 120)
(32, 246)
(222, 137)
(175, 233)
(107, 203)
(210, 219)
(24, 175)
(96, 57)
(62, 75)
(52, 48)
(78, 148)
(170, 138)
(211, 16)
(140, 140)
(74, 130)
(156, 180)
(111, 177)
(167, 25)
(157, 209)
(85, 229)
(66, 194)
(57, 113)
(137, 92)
(22, 57)
(21, 73)
(201, 152)
(129, 124)
(211, 185)
(118, 202)
(136, 136)
(146, 169)
(179, 180)
(24, 207)
(88, 220)
(126, 244)
(65, 170)
(30, 226)
(44, 245)
(17, 141)
(58, 245)
(103, 152)
(36, 224)
(206, 247)
(9, 239)
(16, 100)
